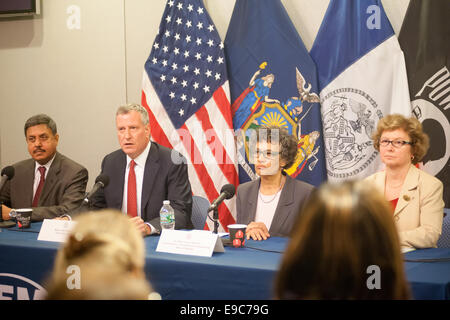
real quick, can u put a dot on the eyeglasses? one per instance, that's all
(395, 143)
(267, 154)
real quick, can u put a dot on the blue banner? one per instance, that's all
(273, 81)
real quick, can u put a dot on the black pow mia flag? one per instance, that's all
(425, 41)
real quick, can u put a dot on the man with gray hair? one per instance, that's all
(142, 175)
(49, 183)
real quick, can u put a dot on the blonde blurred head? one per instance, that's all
(110, 254)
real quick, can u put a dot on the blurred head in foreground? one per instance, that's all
(102, 259)
(344, 245)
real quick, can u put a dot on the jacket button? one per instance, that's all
(396, 218)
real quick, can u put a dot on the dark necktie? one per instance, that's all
(39, 188)
(131, 197)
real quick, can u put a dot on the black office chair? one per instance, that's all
(444, 240)
(200, 207)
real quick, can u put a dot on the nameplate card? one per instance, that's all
(55, 230)
(194, 242)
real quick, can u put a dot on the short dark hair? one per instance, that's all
(40, 119)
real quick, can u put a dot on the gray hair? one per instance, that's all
(134, 107)
(40, 119)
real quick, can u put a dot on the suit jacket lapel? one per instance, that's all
(284, 205)
(119, 188)
(25, 183)
(51, 178)
(150, 172)
(252, 200)
(408, 190)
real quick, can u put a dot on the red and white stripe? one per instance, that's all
(211, 162)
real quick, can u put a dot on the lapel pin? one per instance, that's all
(406, 197)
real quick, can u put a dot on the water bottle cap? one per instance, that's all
(166, 202)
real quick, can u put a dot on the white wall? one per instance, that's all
(80, 76)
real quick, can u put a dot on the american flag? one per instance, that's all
(186, 92)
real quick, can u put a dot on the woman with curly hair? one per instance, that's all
(270, 204)
(416, 196)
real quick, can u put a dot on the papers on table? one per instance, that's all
(55, 230)
(406, 249)
(194, 242)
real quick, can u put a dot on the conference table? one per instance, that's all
(238, 273)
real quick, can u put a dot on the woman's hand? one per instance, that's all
(257, 231)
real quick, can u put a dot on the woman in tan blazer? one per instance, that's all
(415, 195)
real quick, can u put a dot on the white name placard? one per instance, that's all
(55, 230)
(194, 242)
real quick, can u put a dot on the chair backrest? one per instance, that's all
(444, 240)
(200, 207)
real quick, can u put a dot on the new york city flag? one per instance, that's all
(362, 78)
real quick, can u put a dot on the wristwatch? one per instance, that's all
(13, 213)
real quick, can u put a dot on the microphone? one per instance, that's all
(227, 192)
(100, 182)
(7, 174)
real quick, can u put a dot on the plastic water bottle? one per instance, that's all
(167, 216)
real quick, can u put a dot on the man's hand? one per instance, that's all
(5, 212)
(257, 231)
(143, 228)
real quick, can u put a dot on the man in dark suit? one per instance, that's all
(50, 183)
(142, 175)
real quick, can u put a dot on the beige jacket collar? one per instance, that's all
(409, 189)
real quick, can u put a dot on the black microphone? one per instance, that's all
(227, 192)
(100, 182)
(7, 174)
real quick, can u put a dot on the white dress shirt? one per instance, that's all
(139, 170)
(37, 174)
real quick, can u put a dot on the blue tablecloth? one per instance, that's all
(242, 273)
(245, 273)
(429, 280)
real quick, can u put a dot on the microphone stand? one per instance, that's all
(215, 217)
(83, 207)
(86, 201)
(216, 220)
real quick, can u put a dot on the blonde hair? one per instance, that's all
(411, 126)
(108, 249)
(343, 229)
